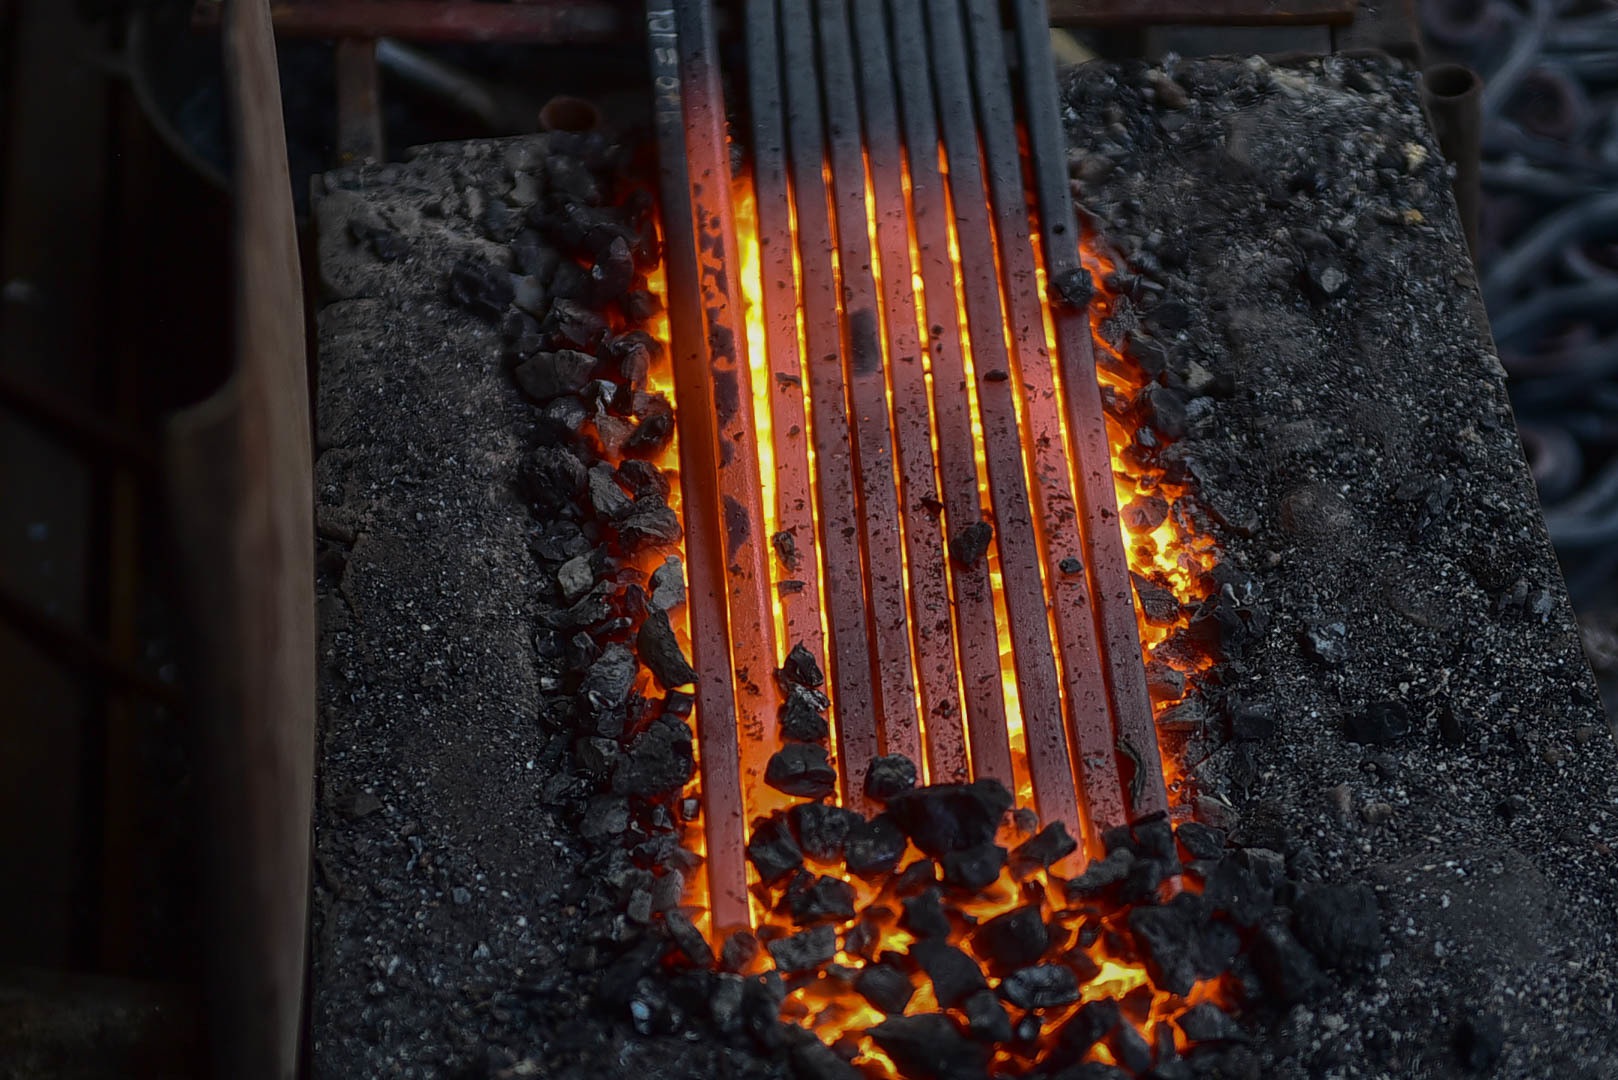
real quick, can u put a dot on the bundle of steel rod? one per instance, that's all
(911, 484)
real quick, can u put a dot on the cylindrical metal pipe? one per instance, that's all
(1452, 94)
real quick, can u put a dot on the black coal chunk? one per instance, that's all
(610, 678)
(801, 769)
(659, 762)
(773, 850)
(822, 830)
(885, 987)
(971, 543)
(575, 324)
(986, 1018)
(951, 817)
(1043, 986)
(654, 426)
(1074, 287)
(889, 777)
(552, 476)
(739, 950)
(954, 975)
(800, 669)
(1102, 875)
(1479, 1042)
(1381, 723)
(1089, 1025)
(805, 950)
(1208, 1023)
(688, 939)
(975, 868)
(1130, 1049)
(483, 290)
(1049, 845)
(1250, 722)
(1327, 642)
(1236, 891)
(551, 374)
(1153, 838)
(1013, 940)
(930, 1046)
(1158, 603)
(825, 898)
(642, 478)
(803, 715)
(1287, 969)
(874, 847)
(660, 652)
(1340, 924)
(814, 1060)
(1201, 841)
(924, 914)
(1170, 940)
(613, 272)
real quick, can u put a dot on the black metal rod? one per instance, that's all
(1453, 97)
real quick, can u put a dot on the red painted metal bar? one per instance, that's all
(886, 604)
(924, 542)
(1057, 524)
(533, 22)
(979, 647)
(1049, 766)
(1202, 12)
(1111, 587)
(745, 539)
(723, 819)
(799, 557)
(854, 703)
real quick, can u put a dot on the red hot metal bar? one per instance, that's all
(1108, 563)
(1202, 12)
(970, 587)
(534, 21)
(1058, 527)
(885, 598)
(723, 816)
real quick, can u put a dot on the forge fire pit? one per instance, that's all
(864, 618)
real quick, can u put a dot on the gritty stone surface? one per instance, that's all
(1348, 428)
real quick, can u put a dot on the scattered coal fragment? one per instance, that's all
(801, 769)
(986, 1018)
(1479, 1041)
(1145, 513)
(773, 849)
(800, 669)
(1074, 287)
(549, 375)
(1170, 938)
(924, 914)
(659, 763)
(874, 847)
(1043, 986)
(889, 777)
(1101, 875)
(1238, 893)
(885, 987)
(975, 868)
(1201, 841)
(1050, 845)
(1327, 642)
(1250, 722)
(660, 652)
(1340, 924)
(484, 290)
(1287, 969)
(825, 898)
(1208, 1023)
(1013, 940)
(805, 950)
(1381, 724)
(1092, 1022)
(971, 543)
(1157, 602)
(822, 830)
(688, 939)
(930, 1046)
(954, 975)
(951, 817)
(803, 715)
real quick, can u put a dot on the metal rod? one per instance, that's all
(1055, 794)
(1452, 94)
(1110, 584)
(924, 543)
(1120, 13)
(970, 586)
(850, 647)
(886, 604)
(778, 279)
(720, 761)
(1057, 526)
(359, 102)
(534, 21)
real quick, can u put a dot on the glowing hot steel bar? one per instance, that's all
(894, 453)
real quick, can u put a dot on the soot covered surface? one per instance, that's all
(1405, 703)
